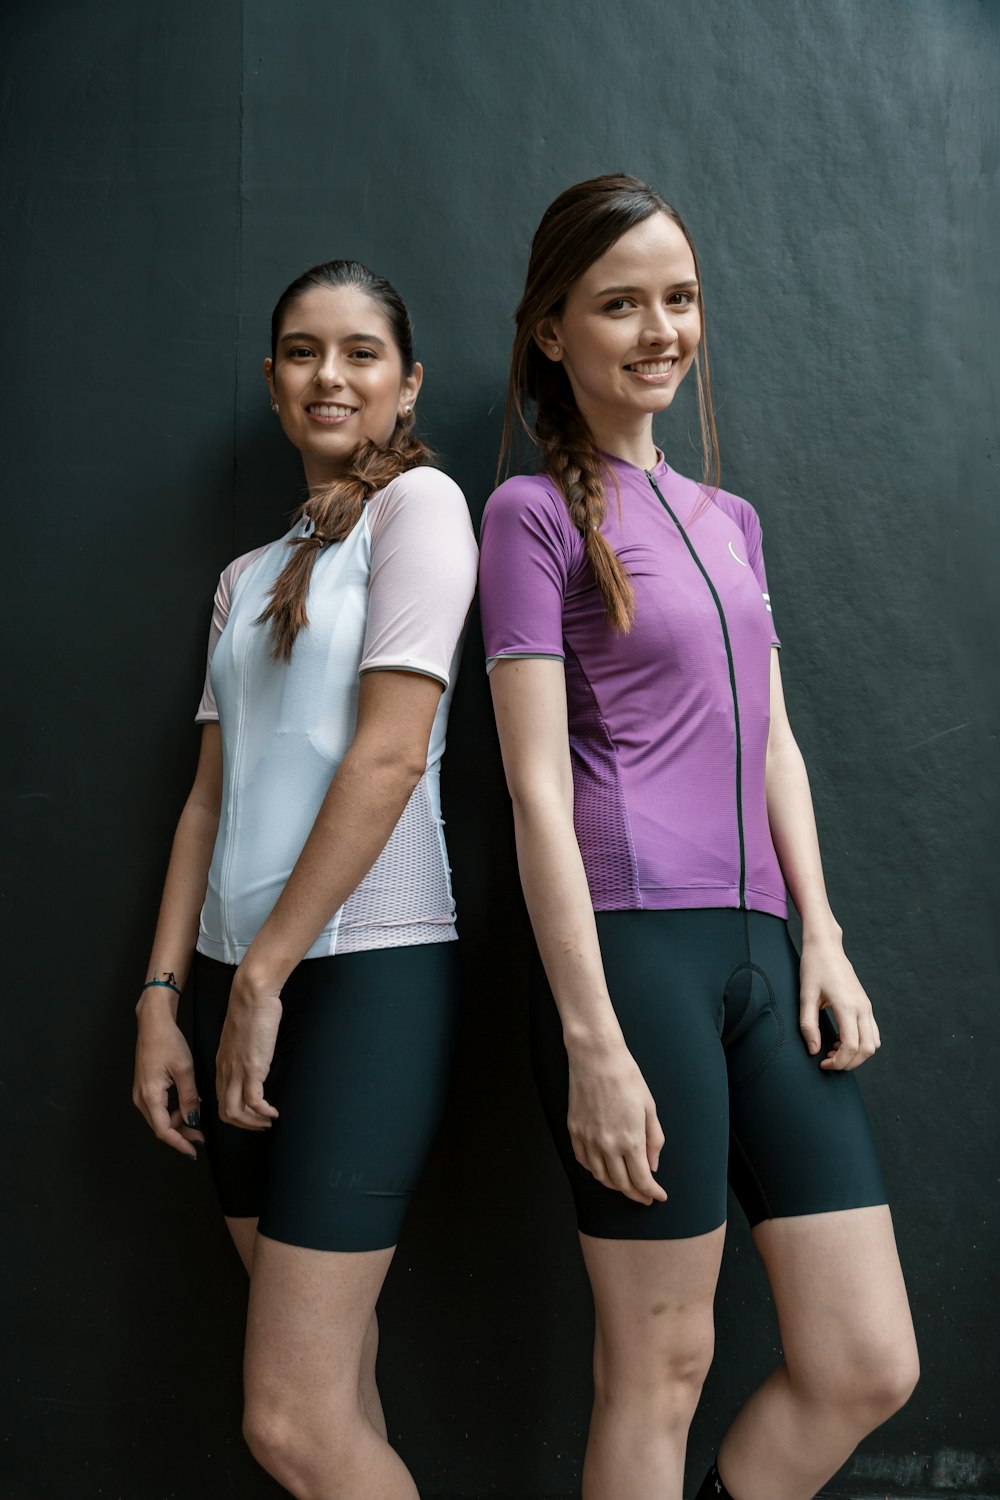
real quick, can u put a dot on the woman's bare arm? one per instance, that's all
(362, 806)
(612, 1116)
(163, 1058)
(827, 977)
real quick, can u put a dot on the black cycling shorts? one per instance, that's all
(359, 1079)
(708, 1001)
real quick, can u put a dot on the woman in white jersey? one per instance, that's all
(308, 892)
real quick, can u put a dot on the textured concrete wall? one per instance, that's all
(168, 168)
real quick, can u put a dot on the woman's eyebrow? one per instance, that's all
(618, 291)
(351, 338)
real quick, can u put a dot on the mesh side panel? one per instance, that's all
(406, 896)
(599, 811)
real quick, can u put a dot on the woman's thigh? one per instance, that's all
(664, 973)
(841, 1302)
(308, 1319)
(359, 1078)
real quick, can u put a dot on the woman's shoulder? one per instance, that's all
(425, 484)
(738, 510)
(422, 512)
(233, 572)
(528, 498)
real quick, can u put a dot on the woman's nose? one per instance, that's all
(659, 330)
(328, 375)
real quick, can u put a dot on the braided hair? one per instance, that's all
(335, 509)
(576, 229)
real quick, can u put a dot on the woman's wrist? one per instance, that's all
(260, 975)
(158, 1003)
(823, 929)
(592, 1039)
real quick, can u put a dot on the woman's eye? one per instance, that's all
(617, 305)
(363, 354)
(682, 299)
(302, 353)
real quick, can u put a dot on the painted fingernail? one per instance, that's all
(194, 1119)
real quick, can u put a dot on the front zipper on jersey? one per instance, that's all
(732, 684)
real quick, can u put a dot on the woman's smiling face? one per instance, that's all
(337, 378)
(629, 328)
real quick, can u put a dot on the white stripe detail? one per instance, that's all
(736, 556)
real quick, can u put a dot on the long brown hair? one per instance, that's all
(336, 509)
(576, 229)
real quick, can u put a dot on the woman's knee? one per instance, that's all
(891, 1380)
(663, 1369)
(298, 1452)
(275, 1439)
(873, 1383)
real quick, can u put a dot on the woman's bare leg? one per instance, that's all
(308, 1328)
(652, 1350)
(850, 1353)
(244, 1233)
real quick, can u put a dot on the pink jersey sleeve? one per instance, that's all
(528, 546)
(423, 575)
(208, 713)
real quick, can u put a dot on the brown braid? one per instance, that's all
(576, 229)
(573, 461)
(334, 512)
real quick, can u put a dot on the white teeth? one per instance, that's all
(653, 366)
(319, 409)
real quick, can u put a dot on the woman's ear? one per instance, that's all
(269, 377)
(410, 389)
(546, 336)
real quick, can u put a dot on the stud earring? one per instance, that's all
(555, 348)
(274, 405)
(407, 410)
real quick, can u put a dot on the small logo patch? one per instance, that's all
(767, 602)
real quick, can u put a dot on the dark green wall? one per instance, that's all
(167, 169)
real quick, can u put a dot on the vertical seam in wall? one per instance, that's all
(238, 277)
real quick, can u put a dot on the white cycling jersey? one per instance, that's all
(393, 595)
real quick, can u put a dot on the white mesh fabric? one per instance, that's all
(406, 896)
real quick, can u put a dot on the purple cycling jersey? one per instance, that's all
(668, 724)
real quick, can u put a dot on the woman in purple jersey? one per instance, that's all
(661, 808)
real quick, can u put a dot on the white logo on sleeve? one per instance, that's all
(767, 602)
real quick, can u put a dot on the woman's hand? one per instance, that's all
(828, 982)
(163, 1061)
(612, 1122)
(246, 1049)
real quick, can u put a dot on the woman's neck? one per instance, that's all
(634, 445)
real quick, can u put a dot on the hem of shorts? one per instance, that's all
(223, 953)
(691, 897)
(321, 1242)
(847, 1203)
(635, 1229)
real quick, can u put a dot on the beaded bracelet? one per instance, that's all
(161, 984)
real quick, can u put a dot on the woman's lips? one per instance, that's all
(329, 413)
(652, 371)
